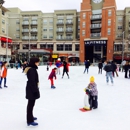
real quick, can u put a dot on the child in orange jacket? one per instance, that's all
(3, 74)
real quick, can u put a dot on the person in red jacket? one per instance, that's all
(3, 74)
(51, 76)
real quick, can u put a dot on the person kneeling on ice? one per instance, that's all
(87, 100)
(52, 74)
(92, 87)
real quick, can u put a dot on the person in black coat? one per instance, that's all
(114, 68)
(65, 69)
(32, 89)
(126, 68)
(100, 66)
(87, 64)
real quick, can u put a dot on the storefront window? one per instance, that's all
(77, 47)
(50, 46)
(97, 48)
(43, 46)
(25, 46)
(68, 47)
(60, 47)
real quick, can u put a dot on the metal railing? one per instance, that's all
(96, 26)
(94, 17)
(95, 34)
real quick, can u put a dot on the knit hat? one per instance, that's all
(92, 79)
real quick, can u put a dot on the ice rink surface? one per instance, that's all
(59, 109)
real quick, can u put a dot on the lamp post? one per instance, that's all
(123, 47)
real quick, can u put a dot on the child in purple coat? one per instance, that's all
(51, 76)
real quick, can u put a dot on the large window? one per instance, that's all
(83, 24)
(83, 32)
(68, 47)
(49, 46)
(43, 46)
(44, 29)
(120, 19)
(77, 47)
(45, 21)
(109, 31)
(109, 12)
(84, 15)
(118, 47)
(60, 47)
(109, 22)
(120, 27)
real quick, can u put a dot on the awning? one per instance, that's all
(4, 39)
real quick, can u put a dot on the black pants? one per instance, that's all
(30, 106)
(126, 74)
(100, 70)
(93, 102)
(64, 73)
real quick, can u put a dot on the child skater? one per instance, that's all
(3, 74)
(51, 76)
(92, 87)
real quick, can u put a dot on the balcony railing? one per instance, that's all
(69, 22)
(33, 30)
(60, 38)
(60, 23)
(25, 38)
(96, 17)
(69, 37)
(25, 30)
(95, 35)
(27, 23)
(95, 26)
(60, 30)
(69, 30)
(33, 23)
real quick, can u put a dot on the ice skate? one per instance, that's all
(32, 124)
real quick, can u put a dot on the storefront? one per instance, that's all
(95, 50)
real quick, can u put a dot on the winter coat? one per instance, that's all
(114, 67)
(3, 73)
(93, 89)
(108, 68)
(126, 68)
(87, 64)
(52, 74)
(32, 89)
(100, 65)
(65, 67)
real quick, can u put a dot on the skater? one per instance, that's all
(47, 68)
(93, 99)
(100, 66)
(108, 69)
(32, 89)
(87, 64)
(58, 65)
(3, 74)
(65, 69)
(126, 68)
(24, 65)
(16, 64)
(114, 68)
(51, 76)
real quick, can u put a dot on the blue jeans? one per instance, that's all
(109, 74)
(4, 81)
(85, 70)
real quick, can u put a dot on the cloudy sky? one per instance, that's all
(51, 5)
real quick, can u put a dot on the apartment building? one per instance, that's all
(46, 35)
(122, 41)
(4, 39)
(97, 29)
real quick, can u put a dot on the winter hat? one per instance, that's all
(92, 79)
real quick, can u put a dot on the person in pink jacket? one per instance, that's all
(51, 76)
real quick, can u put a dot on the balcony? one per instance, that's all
(95, 26)
(95, 35)
(25, 23)
(25, 38)
(60, 23)
(25, 31)
(69, 38)
(96, 17)
(33, 38)
(60, 30)
(69, 23)
(69, 30)
(60, 38)
(33, 30)
(34, 23)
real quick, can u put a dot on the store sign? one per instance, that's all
(54, 56)
(95, 42)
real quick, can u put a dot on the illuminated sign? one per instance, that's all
(96, 43)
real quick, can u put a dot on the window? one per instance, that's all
(49, 46)
(43, 46)
(44, 36)
(50, 37)
(98, 48)
(68, 47)
(17, 36)
(109, 31)
(3, 21)
(17, 21)
(77, 47)
(78, 20)
(83, 24)
(118, 47)
(60, 21)
(25, 46)
(3, 30)
(84, 15)
(109, 22)
(60, 47)
(45, 21)
(109, 12)
(44, 29)
(120, 27)
(83, 32)
(51, 29)
(79, 27)
(120, 19)
(51, 21)
(18, 29)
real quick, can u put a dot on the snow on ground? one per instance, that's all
(59, 109)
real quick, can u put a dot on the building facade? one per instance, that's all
(4, 37)
(97, 29)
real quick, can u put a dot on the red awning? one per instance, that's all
(4, 39)
(120, 57)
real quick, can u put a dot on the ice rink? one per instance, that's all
(59, 109)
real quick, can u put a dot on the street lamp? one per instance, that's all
(123, 47)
